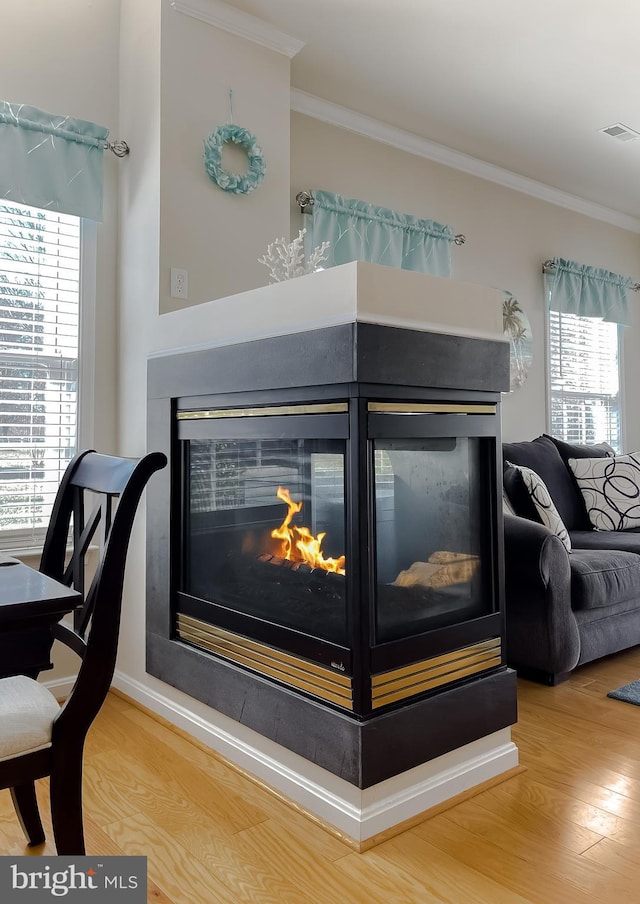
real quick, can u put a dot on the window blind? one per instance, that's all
(584, 379)
(39, 332)
(227, 474)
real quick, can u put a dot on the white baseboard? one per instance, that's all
(60, 687)
(358, 814)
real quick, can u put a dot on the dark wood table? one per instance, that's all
(30, 604)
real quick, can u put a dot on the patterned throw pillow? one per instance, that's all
(544, 504)
(610, 488)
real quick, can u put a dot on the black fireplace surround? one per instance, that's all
(324, 555)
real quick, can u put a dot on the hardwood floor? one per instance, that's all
(566, 829)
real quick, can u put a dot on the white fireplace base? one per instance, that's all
(360, 815)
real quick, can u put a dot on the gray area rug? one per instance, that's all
(629, 693)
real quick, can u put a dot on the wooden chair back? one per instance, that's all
(96, 505)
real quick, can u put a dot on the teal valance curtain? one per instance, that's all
(361, 231)
(50, 161)
(573, 288)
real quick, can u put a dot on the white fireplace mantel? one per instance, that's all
(356, 291)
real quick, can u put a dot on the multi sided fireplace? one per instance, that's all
(325, 562)
(345, 548)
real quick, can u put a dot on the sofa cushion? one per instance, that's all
(581, 450)
(601, 578)
(627, 540)
(543, 457)
(515, 488)
(543, 503)
(611, 490)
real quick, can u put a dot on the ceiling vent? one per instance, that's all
(622, 133)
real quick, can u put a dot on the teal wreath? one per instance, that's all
(238, 184)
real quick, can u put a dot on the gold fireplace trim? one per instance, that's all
(388, 687)
(430, 408)
(266, 411)
(338, 408)
(314, 679)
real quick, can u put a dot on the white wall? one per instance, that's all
(215, 235)
(175, 73)
(508, 235)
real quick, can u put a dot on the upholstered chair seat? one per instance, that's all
(27, 711)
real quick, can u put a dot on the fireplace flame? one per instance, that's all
(299, 544)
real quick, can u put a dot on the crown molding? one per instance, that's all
(334, 114)
(237, 22)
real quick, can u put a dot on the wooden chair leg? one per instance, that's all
(26, 806)
(65, 785)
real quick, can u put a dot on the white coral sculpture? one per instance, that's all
(285, 260)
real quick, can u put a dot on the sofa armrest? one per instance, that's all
(542, 634)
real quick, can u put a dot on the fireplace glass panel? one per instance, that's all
(264, 531)
(432, 543)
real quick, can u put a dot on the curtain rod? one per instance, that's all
(550, 266)
(306, 200)
(119, 148)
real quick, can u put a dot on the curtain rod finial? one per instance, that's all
(304, 199)
(119, 148)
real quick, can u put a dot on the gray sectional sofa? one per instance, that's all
(564, 608)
